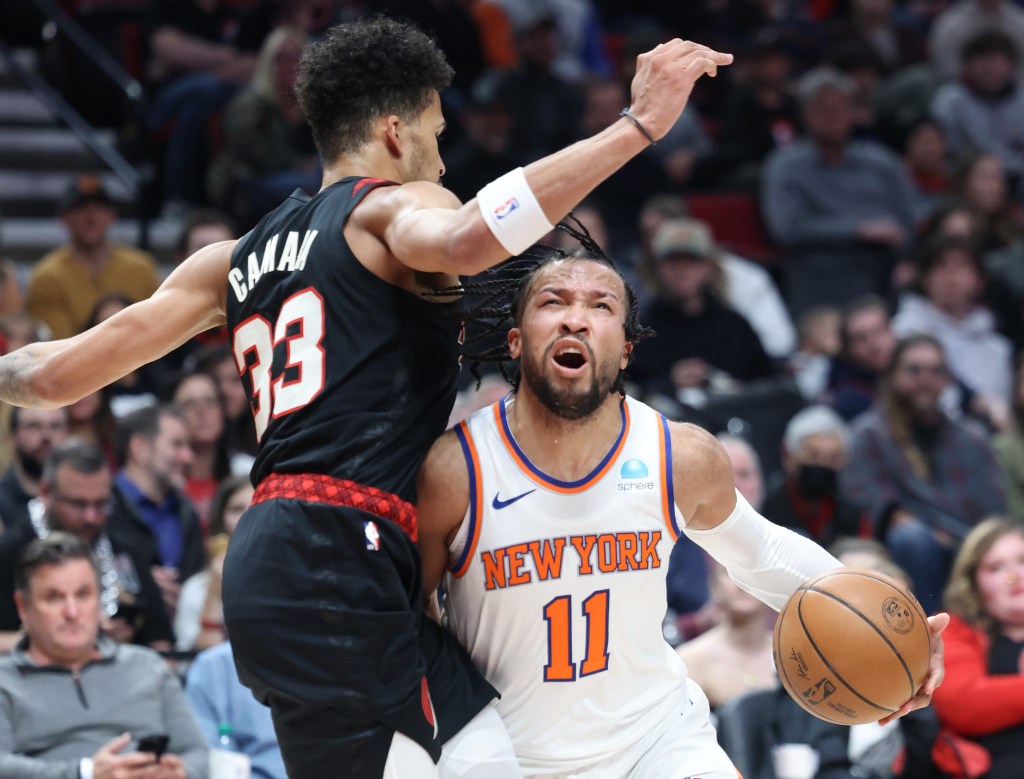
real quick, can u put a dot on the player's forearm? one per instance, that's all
(558, 182)
(24, 379)
(563, 179)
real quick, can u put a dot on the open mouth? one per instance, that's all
(571, 357)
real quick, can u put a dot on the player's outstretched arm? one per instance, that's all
(56, 373)
(768, 561)
(442, 499)
(518, 209)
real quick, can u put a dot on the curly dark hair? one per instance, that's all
(502, 293)
(363, 70)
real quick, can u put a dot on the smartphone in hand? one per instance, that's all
(156, 743)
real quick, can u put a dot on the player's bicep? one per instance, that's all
(702, 475)
(442, 491)
(427, 229)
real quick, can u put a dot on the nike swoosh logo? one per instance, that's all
(499, 504)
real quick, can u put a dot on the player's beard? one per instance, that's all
(569, 402)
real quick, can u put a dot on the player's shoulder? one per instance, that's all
(696, 454)
(385, 203)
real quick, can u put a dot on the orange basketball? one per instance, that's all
(852, 646)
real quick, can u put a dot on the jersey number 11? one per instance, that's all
(558, 613)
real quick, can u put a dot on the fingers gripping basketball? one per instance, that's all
(852, 646)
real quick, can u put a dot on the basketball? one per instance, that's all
(852, 646)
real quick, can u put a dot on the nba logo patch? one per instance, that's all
(372, 536)
(506, 208)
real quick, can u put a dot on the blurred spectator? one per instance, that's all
(545, 108)
(74, 702)
(858, 62)
(74, 497)
(747, 286)
(746, 469)
(980, 181)
(90, 419)
(35, 432)
(199, 622)
(580, 37)
(218, 362)
(924, 478)
(817, 345)
(964, 21)
(806, 498)
(202, 227)
(10, 292)
(867, 343)
(982, 696)
(984, 109)
(843, 209)
(474, 34)
(925, 157)
(873, 24)
(947, 305)
(760, 113)
(216, 696)
(485, 150)
(194, 70)
(19, 328)
(734, 656)
(203, 411)
(268, 148)
(150, 506)
(66, 283)
(702, 342)
(1009, 446)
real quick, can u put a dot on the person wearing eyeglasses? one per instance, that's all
(75, 497)
(924, 477)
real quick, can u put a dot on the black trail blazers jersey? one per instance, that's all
(347, 375)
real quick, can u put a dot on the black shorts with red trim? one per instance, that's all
(323, 606)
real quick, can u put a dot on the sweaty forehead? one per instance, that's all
(579, 275)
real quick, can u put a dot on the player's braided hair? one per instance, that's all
(495, 301)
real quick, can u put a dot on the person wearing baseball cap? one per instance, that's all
(67, 282)
(699, 336)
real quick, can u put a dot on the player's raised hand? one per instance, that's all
(664, 79)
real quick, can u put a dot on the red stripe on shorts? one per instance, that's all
(318, 488)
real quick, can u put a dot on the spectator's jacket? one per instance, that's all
(126, 521)
(966, 483)
(980, 704)
(51, 717)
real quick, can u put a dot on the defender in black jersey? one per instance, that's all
(350, 375)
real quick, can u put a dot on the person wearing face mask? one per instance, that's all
(807, 498)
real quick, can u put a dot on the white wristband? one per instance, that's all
(512, 212)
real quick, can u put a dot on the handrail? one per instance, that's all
(130, 86)
(88, 134)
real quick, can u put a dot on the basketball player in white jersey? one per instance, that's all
(551, 517)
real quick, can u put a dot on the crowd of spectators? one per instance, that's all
(829, 244)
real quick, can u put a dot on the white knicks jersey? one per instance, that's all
(557, 590)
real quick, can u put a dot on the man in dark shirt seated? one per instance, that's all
(702, 343)
(74, 496)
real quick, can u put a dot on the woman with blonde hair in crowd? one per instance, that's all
(268, 147)
(982, 697)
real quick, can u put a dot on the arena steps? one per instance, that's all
(39, 159)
